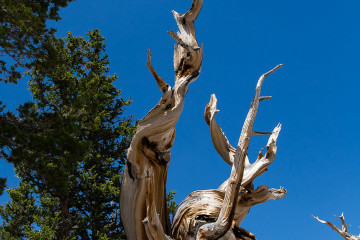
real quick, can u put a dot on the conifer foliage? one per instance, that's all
(24, 35)
(68, 147)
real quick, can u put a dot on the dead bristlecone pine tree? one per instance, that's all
(343, 231)
(206, 214)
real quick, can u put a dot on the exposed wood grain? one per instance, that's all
(207, 214)
(222, 225)
(155, 134)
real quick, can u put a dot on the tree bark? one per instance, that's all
(64, 230)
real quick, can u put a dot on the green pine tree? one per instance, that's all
(24, 35)
(68, 147)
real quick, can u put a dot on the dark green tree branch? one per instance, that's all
(68, 147)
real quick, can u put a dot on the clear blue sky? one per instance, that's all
(314, 97)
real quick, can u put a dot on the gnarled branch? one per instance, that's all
(210, 214)
(216, 214)
(220, 141)
(343, 231)
(223, 223)
(257, 168)
(154, 137)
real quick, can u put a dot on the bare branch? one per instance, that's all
(250, 118)
(261, 164)
(211, 214)
(163, 86)
(220, 141)
(343, 232)
(223, 223)
(273, 70)
(264, 98)
(344, 225)
(263, 194)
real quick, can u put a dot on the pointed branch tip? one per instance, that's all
(273, 70)
(195, 9)
(163, 86)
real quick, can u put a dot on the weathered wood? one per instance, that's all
(203, 207)
(153, 227)
(213, 214)
(163, 86)
(155, 134)
(208, 214)
(220, 141)
(343, 231)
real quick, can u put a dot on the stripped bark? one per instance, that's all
(208, 214)
(343, 231)
(153, 227)
(216, 214)
(155, 133)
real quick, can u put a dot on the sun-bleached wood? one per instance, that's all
(207, 214)
(153, 227)
(149, 151)
(231, 202)
(343, 231)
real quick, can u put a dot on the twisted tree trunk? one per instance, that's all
(209, 214)
(149, 152)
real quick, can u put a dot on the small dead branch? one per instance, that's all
(343, 231)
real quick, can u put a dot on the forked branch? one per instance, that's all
(343, 231)
(209, 214)
(223, 223)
